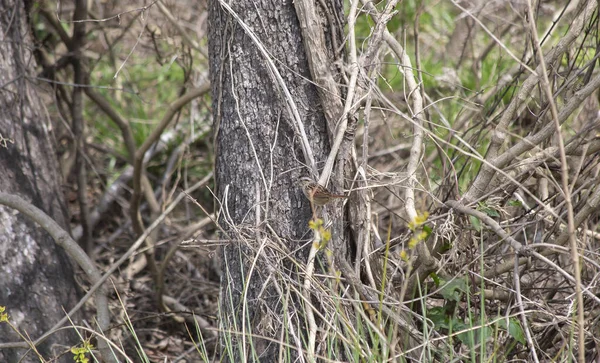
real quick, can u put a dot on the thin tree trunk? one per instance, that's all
(258, 162)
(36, 278)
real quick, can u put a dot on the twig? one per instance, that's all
(481, 183)
(496, 228)
(306, 292)
(114, 266)
(426, 262)
(364, 292)
(517, 281)
(62, 238)
(139, 161)
(160, 281)
(184, 35)
(121, 123)
(77, 44)
(319, 63)
(350, 96)
(491, 34)
(517, 246)
(565, 184)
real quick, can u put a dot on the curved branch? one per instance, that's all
(63, 239)
(138, 164)
(519, 248)
(479, 186)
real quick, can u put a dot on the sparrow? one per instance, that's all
(316, 193)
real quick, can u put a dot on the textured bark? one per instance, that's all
(36, 278)
(258, 160)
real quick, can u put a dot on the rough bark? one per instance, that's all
(258, 161)
(36, 277)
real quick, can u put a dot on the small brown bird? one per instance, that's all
(316, 193)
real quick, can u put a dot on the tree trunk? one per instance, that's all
(258, 163)
(36, 277)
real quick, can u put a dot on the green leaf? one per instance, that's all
(476, 223)
(492, 212)
(488, 210)
(515, 203)
(514, 329)
(454, 289)
(435, 278)
(427, 229)
(438, 317)
(480, 335)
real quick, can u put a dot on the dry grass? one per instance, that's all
(488, 142)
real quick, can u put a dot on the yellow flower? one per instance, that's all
(404, 255)
(412, 243)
